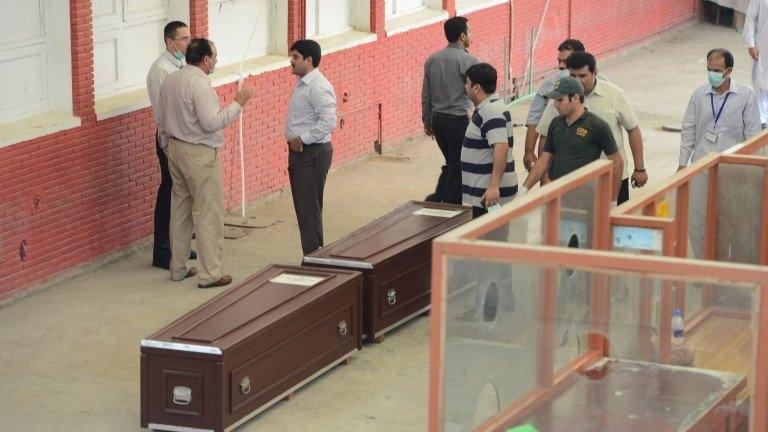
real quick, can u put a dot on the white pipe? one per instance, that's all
(533, 48)
(240, 118)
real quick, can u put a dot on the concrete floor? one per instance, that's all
(69, 355)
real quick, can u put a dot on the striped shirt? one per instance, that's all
(491, 124)
(311, 110)
(161, 68)
(191, 110)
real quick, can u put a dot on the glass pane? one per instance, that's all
(491, 339)
(648, 378)
(576, 217)
(634, 318)
(667, 206)
(572, 311)
(740, 199)
(697, 215)
(526, 229)
(693, 299)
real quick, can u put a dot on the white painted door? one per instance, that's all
(24, 59)
(329, 17)
(230, 24)
(399, 7)
(127, 37)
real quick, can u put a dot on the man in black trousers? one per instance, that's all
(311, 119)
(177, 37)
(444, 105)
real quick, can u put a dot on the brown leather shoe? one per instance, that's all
(223, 280)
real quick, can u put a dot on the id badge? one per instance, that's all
(711, 137)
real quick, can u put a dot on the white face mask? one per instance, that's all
(213, 68)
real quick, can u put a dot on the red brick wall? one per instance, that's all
(78, 194)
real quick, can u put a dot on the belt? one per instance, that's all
(449, 116)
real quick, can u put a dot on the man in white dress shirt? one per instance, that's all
(191, 126)
(176, 35)
(756, 35)
(311, 119)
(720, 114)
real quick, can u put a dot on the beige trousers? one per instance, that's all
(196, 207)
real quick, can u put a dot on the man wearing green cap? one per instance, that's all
(575, 138)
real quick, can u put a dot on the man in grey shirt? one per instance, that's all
(444, 106)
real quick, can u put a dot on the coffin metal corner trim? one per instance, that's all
(402, 321)
(181, 347)
(164, 427)
(339, 263)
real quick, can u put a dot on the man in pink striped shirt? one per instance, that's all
(192, 124)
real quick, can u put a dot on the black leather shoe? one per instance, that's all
(193, 255)
(161, 264)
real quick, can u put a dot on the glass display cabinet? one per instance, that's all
(555, 313)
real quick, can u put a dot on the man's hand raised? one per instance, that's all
(243, 95)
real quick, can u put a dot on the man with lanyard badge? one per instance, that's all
(720, 114)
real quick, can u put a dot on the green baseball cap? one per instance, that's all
(565, 86)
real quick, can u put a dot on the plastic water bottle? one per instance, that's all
(678, 327)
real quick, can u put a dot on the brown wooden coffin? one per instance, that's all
(249, 347)
(394, 253)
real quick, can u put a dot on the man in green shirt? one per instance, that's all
(575, 138)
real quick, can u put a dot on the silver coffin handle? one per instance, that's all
(245, 385)
(392, 297)
(182, 395)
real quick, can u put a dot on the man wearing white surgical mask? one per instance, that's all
(720, 113)
(176, 36)
(756, 36)
(192, 124)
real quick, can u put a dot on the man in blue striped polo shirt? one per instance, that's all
(487, 166)
(488, 179)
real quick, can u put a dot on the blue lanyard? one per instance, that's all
(712, 102)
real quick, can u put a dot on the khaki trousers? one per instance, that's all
(196, 207)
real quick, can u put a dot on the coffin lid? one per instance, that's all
(248, 308)
(405, 227)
